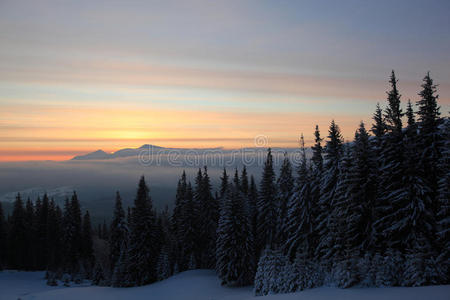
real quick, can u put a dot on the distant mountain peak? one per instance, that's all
(126, 152)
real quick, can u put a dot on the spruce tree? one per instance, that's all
(390, 188)
(362, 192)
(429, 144)
(253, 210)
(223, 183)
(3, 239)
(72, 235)
(34, 241)
(267, 207)
(285, 188)
(317, 149)
(300, 216)
(315, 181)
(244, 181)
(118, 232)
(87, 251)
(235, 243)
(212, 218)
(142, 251)
(443, 201)
(325, 225)
(17, 241)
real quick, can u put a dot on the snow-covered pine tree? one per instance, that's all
(121, 276)
(354, 209)
(208, 210)
(316, 177)
(271, 277)
(72, 235)
(252, 207)
(87, 250)
(430, 139)
(285, 189)
(326, 228)
(118, 233)
(2, 239)
(17, 236)
(223, 183)
(179, 202)
(187, 230)
(244, 181)
(34, 243)
(363, 192)
(163, 269)
(390, 188)
(39, 243)
(267, 207)
(346, 218)
(142, 251)
(235, 242)
(317, 149)
(443, 198)
(299, 224)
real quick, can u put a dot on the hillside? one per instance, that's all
(195, 285)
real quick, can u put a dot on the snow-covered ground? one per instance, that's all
(195, 285)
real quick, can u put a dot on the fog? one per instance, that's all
(96, 181)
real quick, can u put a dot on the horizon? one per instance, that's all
(84, 76)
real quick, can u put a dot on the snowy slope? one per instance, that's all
(195, 285)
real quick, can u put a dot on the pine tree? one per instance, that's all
(390, 187)
(34, 241)
(362, 193)
(72, 234)
(3, 239)
(54, 224)
(443, 198)
(188, 229)
(252, 207)
(267, 208)
(142, 251)
(179, 202)
(121, 276)
(87, 251)
(317, 158)
(315, 183)
(429, 144)
(285, 188)
(244, 181)
(326, 227)
(235, 243)
(208, 214)
(163, 265)
(300, 217)
(17, 236)
(223, 183)
(118, 232)
(270, 275)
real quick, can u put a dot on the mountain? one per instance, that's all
(99, 154)
(128, 152)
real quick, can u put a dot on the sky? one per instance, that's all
(77, 76)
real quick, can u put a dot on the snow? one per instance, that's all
(196, 285)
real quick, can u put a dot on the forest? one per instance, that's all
(371, 212)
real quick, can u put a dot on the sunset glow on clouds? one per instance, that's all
(78, 76)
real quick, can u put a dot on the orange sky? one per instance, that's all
(103, 75)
